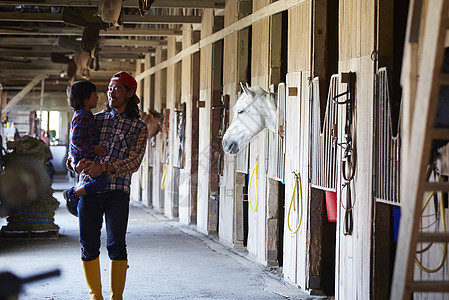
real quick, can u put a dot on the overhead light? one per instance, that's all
(62, 74)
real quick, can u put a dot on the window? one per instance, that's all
(51, 125)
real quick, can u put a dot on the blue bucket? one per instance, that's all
(396, 221)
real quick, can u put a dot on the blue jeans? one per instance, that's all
(97, 184)
(114, 205)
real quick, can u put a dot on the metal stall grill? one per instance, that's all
(276, 142)
(324, 138)
(387, 146)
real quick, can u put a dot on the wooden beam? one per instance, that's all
(137, 19)
(269, 10)
(42, 64)
(126, 3)
(118, 49)
(32, 54)
(104, 42)
(70, 31)
(127, 19)
(27, 74)
(22, 94)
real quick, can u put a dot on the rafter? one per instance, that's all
(126, 3)
(104, 42)
(31, 54)
(39, 65)
(118, 49)
(127, 19)
(68, 31)
(24, 74)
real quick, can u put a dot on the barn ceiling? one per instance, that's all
(35, 40)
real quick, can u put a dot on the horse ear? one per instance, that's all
(247, 90)
(247, 85)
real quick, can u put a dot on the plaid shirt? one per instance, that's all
(124, 140)
(84, 135)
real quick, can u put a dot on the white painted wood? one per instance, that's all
(205, 128)
(187, 183)
(303, 153)
(159, 103)
(354, 250)
(292, 164)
(203, 165)
(227, 196)
(172, 77)
(256, 219)
(135, 188)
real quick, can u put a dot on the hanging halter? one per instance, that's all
(348, 162)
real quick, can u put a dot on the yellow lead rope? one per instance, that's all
(249, 189)
(164, 177)
(292, 202)
(443, 219)
(141, 177)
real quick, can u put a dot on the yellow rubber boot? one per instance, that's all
(118, 278)
(93, 278)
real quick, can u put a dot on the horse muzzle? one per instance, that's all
(230, 147)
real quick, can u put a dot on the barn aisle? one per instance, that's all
(167, 261)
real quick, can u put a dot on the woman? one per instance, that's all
(124, 137)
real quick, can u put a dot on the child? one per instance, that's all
(84, 139)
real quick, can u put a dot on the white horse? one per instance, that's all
(254, 110)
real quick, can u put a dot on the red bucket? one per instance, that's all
(331, 206)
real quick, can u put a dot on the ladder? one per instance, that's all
(418, 145)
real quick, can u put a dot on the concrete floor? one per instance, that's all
(167, 260)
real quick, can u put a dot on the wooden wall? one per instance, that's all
(258, 145)
(148, 103)
(296, 156)
(355, 44)
(189, 94)
(204, 119)
(171, 196)
(136, 178)
(160, 89)
(235, 70)
(230, 87)
(356, 31)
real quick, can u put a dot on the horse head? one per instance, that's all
(111, 12)
(254, 110)
(153, 120)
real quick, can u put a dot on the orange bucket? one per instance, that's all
(331, 206)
